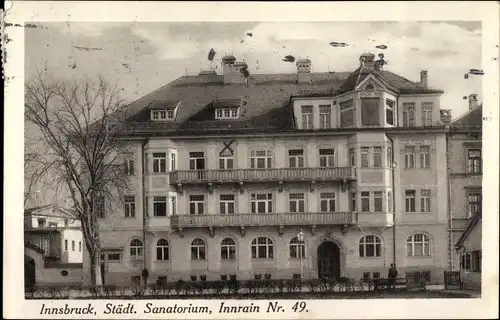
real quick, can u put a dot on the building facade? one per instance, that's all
(227, 170)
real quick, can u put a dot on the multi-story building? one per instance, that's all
(465, 173)
(226, 170)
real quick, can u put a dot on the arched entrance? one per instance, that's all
(329, 260)
(29, 272)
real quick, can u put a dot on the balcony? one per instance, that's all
(243, 220)
(270, 174)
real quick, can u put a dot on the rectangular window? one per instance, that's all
(389, 157)
(378, 200)
(365, 201)
(160, 206)
(389, 111)
(196, 160)
(389, 201)
(65, 245)
(73, 245)
(170, 114)
(346, 113)
(129, 165)
(226, 203)
(427, 114)
(410, 200)
(196, 204)
(425, 161)
(307, 117)
(79, 246)
(129, 206)
(41, 222)
(352, 157)
(473, 204)
(226, 163)
(296, 202)
(370, 111)
(327, 157)
(260, 159)
(223, 277)
(173, 205)
(227, 113)
(325, 116)
(377, 157)
(159, 162)
(163, 114)
(353, 201)
(425, 200)
(296, 158)
(193, 278)
(327, 201)
(155, 114)
(408, 114)
(365, 162)
(409, 157)
(474, 161)
(99, 205)
(173, 161)
(261, 202)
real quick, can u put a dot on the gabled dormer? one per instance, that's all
(163, 110)
(227, 109)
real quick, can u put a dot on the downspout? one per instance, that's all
(144, 201)
(450, 214)
(393, 168)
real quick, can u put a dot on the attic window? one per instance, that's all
(369, 87)
(162, 114)
(227, 113)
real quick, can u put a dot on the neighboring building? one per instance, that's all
(465, 168)
(56, 231)
(469, 247)
(229, 169)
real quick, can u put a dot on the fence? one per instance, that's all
(452, 280)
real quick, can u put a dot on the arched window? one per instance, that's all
(418, 245)
(228, 249)
(198, 249)
(369, 87)
(262, 248)
(295, 251)
(370, 246)
(162, 250)
(136, 249)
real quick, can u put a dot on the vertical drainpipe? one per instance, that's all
(144, 199)
(393, 168)
(449, 211)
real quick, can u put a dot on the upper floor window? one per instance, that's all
(378, 200)
(226, 161)
(100, 207)
(226, 203)
(198, 249)
(353, 201)
(227, 113)
(129, 165)
(408, 114)
(389, 111)
(228, 249)
(418, 245)
(163, 114)
(129, 206)
(160, 206)
(136, 249)
(369, 87)
(346, 113)
(377, 157)
(427, 113)
(352, 157)
(262, 248)
(325, 116)
(473, 204)
(173, 205)
(365, 162)
(365, 201)
(410, 200)
(389, 201)
(327, 157)
(260, 159)
(173, 161)
(297, 249)
(196, 204)
(370, 246)
(409, 157)
(327, 201)
(261, 202)
(370, 111)
(474, 161)
(471, 261)
(307, 117)
(296, 202)
(159, 162)
(389, 156)
(425, 200)
(41, 222)
(162, 250)
(296, 158)
(425, 161)
(196, 160)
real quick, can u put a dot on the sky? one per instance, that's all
(141, 57)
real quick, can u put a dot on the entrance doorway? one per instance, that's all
(329, 260)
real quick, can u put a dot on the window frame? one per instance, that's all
(377, 153)
(425, 200)
(345, 107)
(162, 250)
(325, 117)
(409, 155)
(329, 199)
(378, 195)
(159, 162)
(425, 157)
(298, 199)
(425, 242)
(474, 163)
(268, 201)
(228, 250)
(198, 250)
(409, 200)
(475, 206)
(226, 204)
(267, 157)
(268, 248)
(136, 250)
(129, 206)
(365, 157)
(365, 195)
(370, 241)
(296, 247)
(196, 202)
(409, 114)
(296, 158)
(426, 116)
(157, 201)
(327, 157)
(307, 117)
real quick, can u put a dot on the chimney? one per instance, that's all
(232, 70)
(303, 71)
(367, 60)
(445, 116)
(472, 101)
(424, 80)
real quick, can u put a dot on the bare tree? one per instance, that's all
(82, 153)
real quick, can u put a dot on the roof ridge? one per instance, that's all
(466, 114)
(401, 77)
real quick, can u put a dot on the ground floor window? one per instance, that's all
(471, 261)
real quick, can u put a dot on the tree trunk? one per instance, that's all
(95, 269)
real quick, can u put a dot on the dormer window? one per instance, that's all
(227, 113)
(369, 87)
(164, 110)
(162, 114)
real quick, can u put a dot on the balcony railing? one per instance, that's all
(264, 219)
(276, 174)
